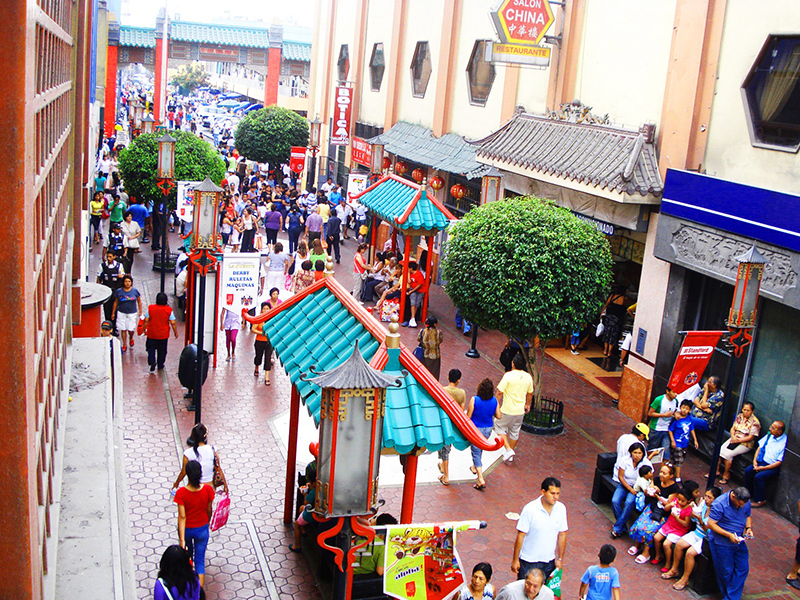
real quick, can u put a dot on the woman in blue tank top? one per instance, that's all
(482, 409)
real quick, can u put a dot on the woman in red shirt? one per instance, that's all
(194, 502)
(157, 322)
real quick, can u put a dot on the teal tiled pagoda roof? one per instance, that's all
(137, 37)
(319, 328)
(405, 205)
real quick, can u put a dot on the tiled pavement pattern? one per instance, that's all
(238, 408)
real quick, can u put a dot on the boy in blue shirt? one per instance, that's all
(601, 582)
(681, 428)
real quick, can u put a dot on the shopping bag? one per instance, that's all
(554, 583)
(221, 512)
(600, 329)
(140, 328)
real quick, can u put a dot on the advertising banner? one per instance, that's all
(421, 562)
(522, 21)
(362, 152)
(239, 285)
(356, 183)
(693, 357)
(342, 111)
(185, 207)
(297, 159)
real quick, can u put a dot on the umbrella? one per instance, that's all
(254, 107)
(230, 95)
(228, 104)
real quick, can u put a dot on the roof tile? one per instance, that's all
(137, 37)
(595, 154)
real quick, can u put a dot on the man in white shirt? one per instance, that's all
(530, 588)
(541, 533)
(327, 187)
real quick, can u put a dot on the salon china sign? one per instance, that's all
(342, 111)
(522, 21)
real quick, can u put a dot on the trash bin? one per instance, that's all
(187, 366)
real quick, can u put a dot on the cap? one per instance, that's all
(107, 325)
(644, 429)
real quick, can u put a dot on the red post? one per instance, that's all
(372, 240)
(159, 97)
(110, 114)
(273, 76)
(428, 281)
(394, 240)
(291, 456)
(409, 489)
(403, 293)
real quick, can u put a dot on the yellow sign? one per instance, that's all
(537, 56)
(522, 21)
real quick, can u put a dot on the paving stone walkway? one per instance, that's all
(250, 558)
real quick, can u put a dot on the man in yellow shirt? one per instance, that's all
(325, 213)
(514, 393)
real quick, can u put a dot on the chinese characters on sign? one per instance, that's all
(522, 21)
(341, 116)
(362, 152)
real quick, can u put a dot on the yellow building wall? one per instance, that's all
(379, 24)
(625, 48)
(729, 153)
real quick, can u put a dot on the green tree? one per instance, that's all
(194, 159)
(191, 76)
(529, 269)
(267, 135)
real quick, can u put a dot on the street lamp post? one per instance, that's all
(166, 181)
(203, 244)
(315, 128)
(350, 441)
(741, 322)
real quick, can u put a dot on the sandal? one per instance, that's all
(443, 482)
(255, 373)
(640, 560)
(480, 488)
(679, 587)
(668, 575)
(267, 382)
(633, 550)
(655, 561)
(722, 481)
(664, 571)
(124, 348)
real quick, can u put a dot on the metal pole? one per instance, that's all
(200, 319)
(312, 171)
(473, 351)
(723, 420)
(341, 578)
(164, 244)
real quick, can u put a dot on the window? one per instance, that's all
(377, 65)
(772, 95)
(343, 63)
(480, 74)
(420, 70)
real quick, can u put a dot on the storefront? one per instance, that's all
(704, 224)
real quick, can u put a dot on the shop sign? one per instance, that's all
(362, 152)
(240, 279)
(219, 52)
(185, 200)
(356, 183)
(601, 226)
(297, 159)
(522, 21)
(518, 54)
(341, 116)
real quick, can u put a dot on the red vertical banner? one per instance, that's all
(362, 152)
(342, 112)
(693, 357)
(297, 159)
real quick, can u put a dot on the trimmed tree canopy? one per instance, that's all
(527, 268)
(267, 135)
(194, 159)
(191, 76)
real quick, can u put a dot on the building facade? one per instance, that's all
(49, 52)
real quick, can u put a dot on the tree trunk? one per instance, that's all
(534, 363)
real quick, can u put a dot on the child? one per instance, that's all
(679, 431)
(601, 582)
(677, 525)
(574, 341)
(644, 483)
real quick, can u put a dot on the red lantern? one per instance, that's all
(458, 191)
(436, 183)
(400, 167)
(387, 162)
(418, 175)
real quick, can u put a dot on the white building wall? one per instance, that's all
(729, 153)
(379, 30)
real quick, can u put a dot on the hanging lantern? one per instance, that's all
(400, 167)
(436, 183)
(387, 162)
(418, 175)
(745, 295)
(458, 191)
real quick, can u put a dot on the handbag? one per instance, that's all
(294, 263)
(219, 478)
(221, 511)
(140, 328)
(419, 351)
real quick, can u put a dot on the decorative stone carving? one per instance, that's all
(578, 112)
(696, 247)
